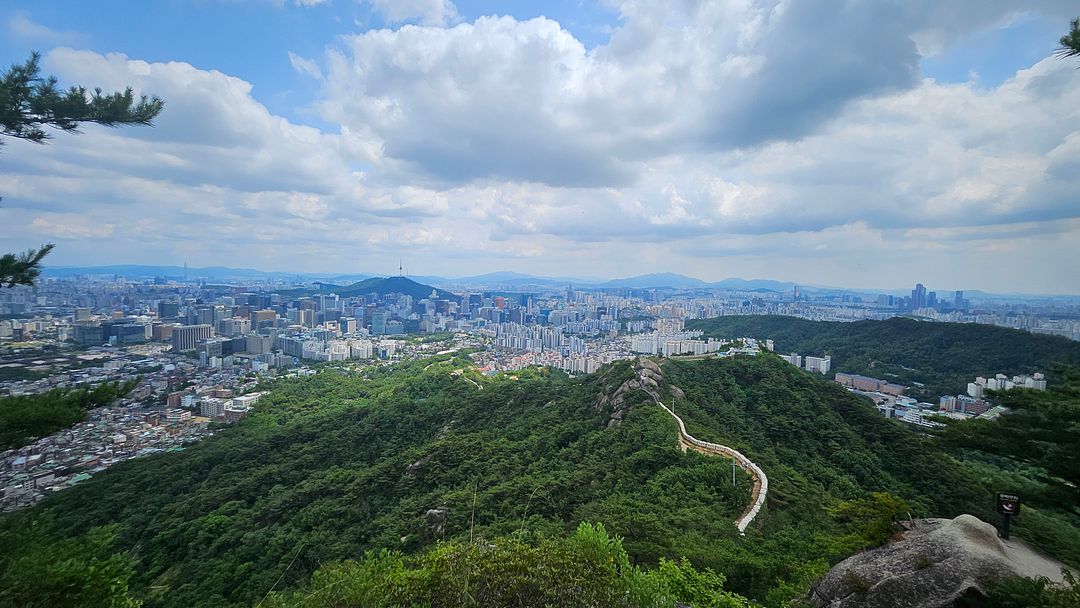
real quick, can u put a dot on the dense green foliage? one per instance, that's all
(942, 356)
(378, 286)
(22, 268)
(333, 466)
(322, 466)
(825, 451)
(1034, 450)
(1035, 593)
(24, 418)
(14, 374)
(588, 568)
(37, 372)
(1070, 42)
(75, 572)
(1042, 431)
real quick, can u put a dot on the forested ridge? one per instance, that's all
(333, 466)
(942, 356)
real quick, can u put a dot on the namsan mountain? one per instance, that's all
(382, 286)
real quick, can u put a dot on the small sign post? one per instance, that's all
(1009, 507)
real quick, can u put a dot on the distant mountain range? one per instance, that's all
(140, 271)
(493, 280)
(510, 279)
(679, 281)
(662, 279)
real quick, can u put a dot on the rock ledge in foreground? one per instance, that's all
(939, 563)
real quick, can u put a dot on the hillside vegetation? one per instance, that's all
(379, 286)
(942, 356)
(331, 467)
(24, 418)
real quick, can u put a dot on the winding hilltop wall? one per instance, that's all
(761, 481)
(647, 372)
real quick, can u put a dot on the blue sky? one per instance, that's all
(252, 40)
(865, 144)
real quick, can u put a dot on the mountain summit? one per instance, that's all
(387, 285)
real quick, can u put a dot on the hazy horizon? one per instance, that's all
(585, 281)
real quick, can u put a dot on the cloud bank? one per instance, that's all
(782, 140)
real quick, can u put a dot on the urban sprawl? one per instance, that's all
(202, 352)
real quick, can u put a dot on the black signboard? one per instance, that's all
(1008, 504)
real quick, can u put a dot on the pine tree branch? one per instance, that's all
(24, 268)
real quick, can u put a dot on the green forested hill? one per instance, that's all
(320, 469)
(378, 286)
(943, 356)
(321, 473)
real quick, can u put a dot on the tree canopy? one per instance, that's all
(936, 358)
(1070, 43)
(30, 102)
(332, 466)
(1042, 431)
(23, 268)
(24, 418)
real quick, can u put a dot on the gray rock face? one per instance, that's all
(648, 378)
(414, 469)
(436, 520)
(646, 363)
(936, 564)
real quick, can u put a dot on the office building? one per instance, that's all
(918, 297)
(168, 310)
(186, 337)
(378, 323)
(233, 327)
(263, 318)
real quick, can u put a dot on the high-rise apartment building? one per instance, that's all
(918, 297)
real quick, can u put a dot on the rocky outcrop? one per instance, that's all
(436, 520)
(614, 402)
(414, 469)
(938, 563)
(648, 378)
(649, 375)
